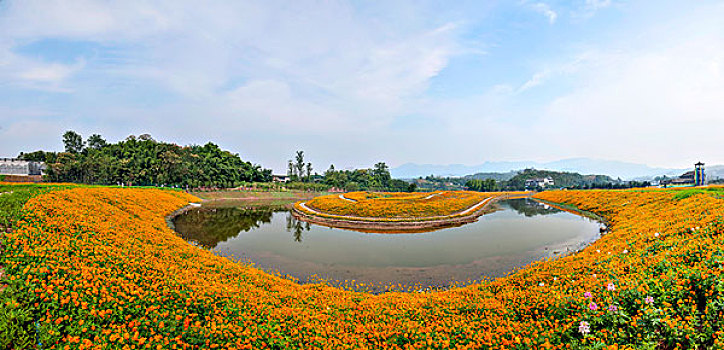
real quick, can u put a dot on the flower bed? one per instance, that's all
(396, 205)
(98, 268)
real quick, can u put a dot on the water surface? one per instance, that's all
(521, 232)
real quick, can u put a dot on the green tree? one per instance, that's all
(487, 185)
(300, 165)
(412, 187)
(381, 174)
(309, 172)
(95, 141)
(144, 161)
(73, 142)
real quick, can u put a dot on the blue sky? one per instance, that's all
(353, 83)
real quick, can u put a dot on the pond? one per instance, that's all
(520, 232)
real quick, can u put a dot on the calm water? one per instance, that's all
(522, 231)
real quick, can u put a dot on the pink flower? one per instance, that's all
(587, 295)
(593, 306)
(611, 286)
(612, 308)
(649, 300)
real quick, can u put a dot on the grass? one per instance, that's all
(715, 191)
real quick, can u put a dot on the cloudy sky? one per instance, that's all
(353, 83)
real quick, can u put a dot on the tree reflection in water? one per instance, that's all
(296, 227)
(529, 207)
(209, 226)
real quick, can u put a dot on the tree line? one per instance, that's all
(516, 181)
(144, 161)
(377, 178)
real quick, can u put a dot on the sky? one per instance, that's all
(354, 83)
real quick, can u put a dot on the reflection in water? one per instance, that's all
(210, 226)
(296, 227)
(521, 232)
(529, 207)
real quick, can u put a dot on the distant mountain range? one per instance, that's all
(612, 168)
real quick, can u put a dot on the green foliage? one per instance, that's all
(306, 186)
(12, 199)
(412, 187)
(208, 227)
(17, 327)
(487, 185)
(714, 191)
(561, 179)
(16, 324)
(73, 142)
(146, 162)
(375, 179)
(95, 141)
(299, 166)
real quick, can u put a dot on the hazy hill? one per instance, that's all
(495, 176)
(561, 179)
(614, 169)
(714, 172)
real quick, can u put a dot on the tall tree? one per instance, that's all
(73, 142)
(381, 174)
(95, 141)
(300, 164)
(290, 169)
(309, 172)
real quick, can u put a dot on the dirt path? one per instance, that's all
(341, 196)
(433, 195)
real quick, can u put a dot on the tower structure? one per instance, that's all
(699, 176)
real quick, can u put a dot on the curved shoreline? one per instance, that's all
(381, 226)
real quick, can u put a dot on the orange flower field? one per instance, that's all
(96, 267)
(395, 205)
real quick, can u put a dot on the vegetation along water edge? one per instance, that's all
(97, 267)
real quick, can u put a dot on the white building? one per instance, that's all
(13, 166)
(539, 182)
(280, 178)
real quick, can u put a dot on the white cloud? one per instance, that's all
(202, 52)
(595, 5)
(535, 80)
(52, 73)
(270, 77)
(590, 8)
(564, 69)
(15, 132)
(662, 103)
(30, 73)
(546, 11)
